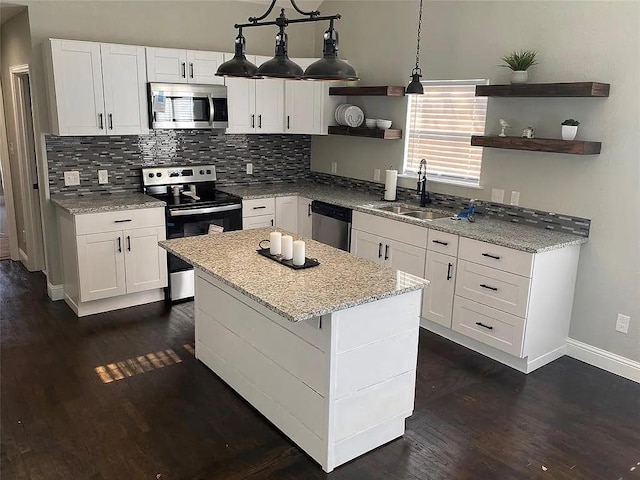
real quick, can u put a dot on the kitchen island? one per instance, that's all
(327, 354)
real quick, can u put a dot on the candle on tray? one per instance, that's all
(298, 253)
(275, 243)
(287, 247)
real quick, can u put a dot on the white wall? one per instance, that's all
(576, 41)
(203, 25)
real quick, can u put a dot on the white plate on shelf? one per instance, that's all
(339, 113)
(353, 116)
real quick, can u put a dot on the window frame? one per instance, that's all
(411, 173)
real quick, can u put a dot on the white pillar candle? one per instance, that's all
(275, 243)
(298, 253)
(287, 247)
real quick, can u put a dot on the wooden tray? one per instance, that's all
(309, 262)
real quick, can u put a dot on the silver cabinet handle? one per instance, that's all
(100, 122)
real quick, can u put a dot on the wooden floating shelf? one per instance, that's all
(572, 89)
(549, 145)
(375, 91)
(389, 134)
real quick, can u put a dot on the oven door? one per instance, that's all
(187, 106)
(189, 222)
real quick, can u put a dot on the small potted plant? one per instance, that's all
(569, 129)
(519, 62)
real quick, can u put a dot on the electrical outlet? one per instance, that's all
(334, 167)
(249, 168)
(71, 178)
(622, 324)
(376, 174)
(497, 195)
(515, 198)
(103, 176)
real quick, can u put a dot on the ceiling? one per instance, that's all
(9, 10)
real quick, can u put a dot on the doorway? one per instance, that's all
(26, 198)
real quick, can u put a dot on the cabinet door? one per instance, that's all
(269, 106)
(258, 222)
(367, 246)
(101, 265)
(77, 81)
(145, 261)
(437, 301)
(167, 65)
(202, 67)
(287, 213)
(303, 113)
(304, 217)
(404, 257)
(125, 97)
(241, 103)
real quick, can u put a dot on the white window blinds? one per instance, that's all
(440, 125)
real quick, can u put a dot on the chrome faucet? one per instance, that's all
(425, 198)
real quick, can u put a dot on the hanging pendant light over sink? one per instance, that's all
(415, 87)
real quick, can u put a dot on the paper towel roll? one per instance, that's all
(390, 184)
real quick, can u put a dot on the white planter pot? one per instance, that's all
(569, 132)
(519, 76)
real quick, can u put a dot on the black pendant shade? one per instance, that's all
(280, 66)
(238, 66)
(330, 67)
(415, 87)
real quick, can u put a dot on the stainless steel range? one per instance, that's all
(194, 207)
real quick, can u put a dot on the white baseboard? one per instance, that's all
(603, 359)
(55, 292)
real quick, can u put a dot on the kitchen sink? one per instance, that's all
(427, 214)
(399, 209)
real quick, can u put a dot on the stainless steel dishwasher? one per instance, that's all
(331, 224)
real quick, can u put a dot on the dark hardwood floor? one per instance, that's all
(169, 418)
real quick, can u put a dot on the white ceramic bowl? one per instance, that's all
(370, 122)
(383, 124)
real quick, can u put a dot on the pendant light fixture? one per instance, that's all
(330, 67)
(238, 66)
(415, 87)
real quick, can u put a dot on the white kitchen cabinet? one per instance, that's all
(112, 260)
(172, 65)
(305, 223)
(241, 105)
(96, 89)
(287, 213)
(404, 257)
(258, 213)
(259, 221)
(367, 245)
(437, 300)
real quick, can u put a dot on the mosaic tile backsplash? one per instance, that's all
(274, 158)
(522, 215)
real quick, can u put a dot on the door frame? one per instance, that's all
(5, 166)
(34, 257)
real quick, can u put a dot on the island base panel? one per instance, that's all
(300, 375)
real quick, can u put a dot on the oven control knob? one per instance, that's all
(201, 172)
(208, 172)
(151, 175)
(159, 174)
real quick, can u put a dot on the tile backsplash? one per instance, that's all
(274, 158)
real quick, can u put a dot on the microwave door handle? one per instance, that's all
(212, 110)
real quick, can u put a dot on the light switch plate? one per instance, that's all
(515, 198)
(103, 176)
(249, 168)
(71, 178)
(376, 174)
(622, 324)
(497, 195)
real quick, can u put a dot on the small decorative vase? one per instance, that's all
(569, 132)
(519, 76)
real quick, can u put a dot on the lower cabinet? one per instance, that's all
(304, 217)
(437, 300)
(258, 222)
(107, 266)
(393, 254)
(258, 213)
(291, 213)
(287, 213)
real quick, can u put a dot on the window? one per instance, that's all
(440, 125)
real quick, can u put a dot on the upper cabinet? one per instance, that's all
(170, 65)
(96, 88)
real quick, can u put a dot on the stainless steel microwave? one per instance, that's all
(178, 105)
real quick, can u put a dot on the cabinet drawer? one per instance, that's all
(495, 288)
(488, 325)
(443, 242)
(119, 220)
(259, 206)
(391, 229)
(496, 256)
(258, 222)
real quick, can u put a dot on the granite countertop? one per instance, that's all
(508, 234)
(341, 280)
(106, 203)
